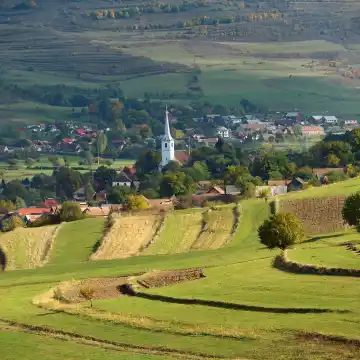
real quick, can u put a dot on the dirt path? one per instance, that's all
(127, 237)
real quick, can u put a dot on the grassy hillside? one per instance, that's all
(240, 309)
(75, 240)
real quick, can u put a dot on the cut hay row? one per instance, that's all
(27, 248)
(282, 262)
(179, 233)
(319, 215)
(127, 236)
(217, 228)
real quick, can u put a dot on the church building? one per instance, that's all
(168, 152)
(167, 144)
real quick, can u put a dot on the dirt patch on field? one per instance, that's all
(319, 215)
(104, 288)
(128, 236)
(165, 278)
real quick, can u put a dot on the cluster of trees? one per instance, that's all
(147, 8)
(333, 151)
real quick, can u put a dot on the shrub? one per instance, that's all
(70, 211)
(281, 231)
(274, 207)
(11, 223)
(46, 219)
(263, 193)
(87, 293)
(136, 203)
(351, 209)
(249, 190)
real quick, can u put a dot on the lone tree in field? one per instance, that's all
(281, 231)
(87, 293)
(70, 211)
(351, 209)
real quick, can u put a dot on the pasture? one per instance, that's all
(242, 306)
(21, 171)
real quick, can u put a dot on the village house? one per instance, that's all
(350, 122)
(223, 132)
(252, 118)
(122, 179)
(208, 141)
(294, 116)
(312, 131)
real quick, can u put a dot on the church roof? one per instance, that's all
(181, 156)
(167, 136)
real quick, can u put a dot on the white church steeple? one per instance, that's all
(167, 143)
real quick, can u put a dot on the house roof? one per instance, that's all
(50, 203)
(67, 141)
(122, 177)
(317, 117)
(33, 211)
(312, 128)
(232, 190)
(181, 156)
(216, 189)
(301, 181)
(323, 171)
(277, 182)
(253, 126)
(253, 121)
(330, 118)
(165, 204)
(292, 114)
(209, 140)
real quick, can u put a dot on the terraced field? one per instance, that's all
(28, 248)
(235, 305)
(128, 236)
(179, 233)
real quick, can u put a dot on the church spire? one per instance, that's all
(167, 135)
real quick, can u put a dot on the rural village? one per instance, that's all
(179, 180)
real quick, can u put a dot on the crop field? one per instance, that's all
(239, 308)
(319, 215)
(28, 248)
(127, 237)
(217, 228)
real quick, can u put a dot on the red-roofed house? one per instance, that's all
(80, 132)
(33, 213)
(216, 190)
(181, 157)
(50, 203)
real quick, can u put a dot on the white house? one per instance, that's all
(330, 119)
(223, 132)
(350, 122)
(122, 180)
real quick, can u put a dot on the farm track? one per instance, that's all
(8, 325)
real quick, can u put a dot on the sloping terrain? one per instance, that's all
(27, 248)
(217, 227)
(127, 237)
(75, 240)
(179, 233)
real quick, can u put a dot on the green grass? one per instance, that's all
(180, 231)
(240, 273)
(75, 240)
(21, 172)
(328, 251)
(342, 188)
(24, 346)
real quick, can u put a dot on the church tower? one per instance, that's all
(167, 144)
